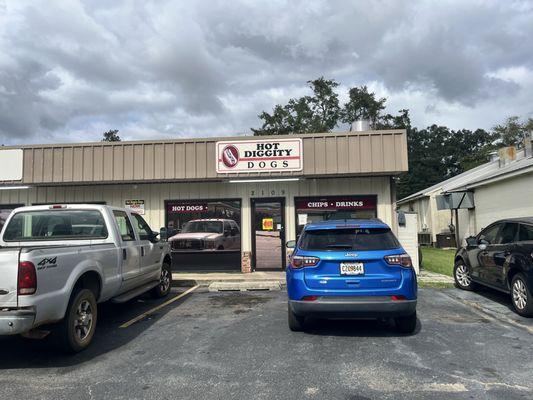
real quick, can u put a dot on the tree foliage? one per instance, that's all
(513, 131)
(111, 136)
(307, 114)
(362, 105)
(436, 153)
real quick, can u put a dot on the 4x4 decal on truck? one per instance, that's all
(47, 263)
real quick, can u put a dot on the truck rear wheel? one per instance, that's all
(75, 332)
(165, 282)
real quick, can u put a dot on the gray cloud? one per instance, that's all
(70, 70)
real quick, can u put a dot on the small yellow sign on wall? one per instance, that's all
(268, 224)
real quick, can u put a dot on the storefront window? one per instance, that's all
(323, 208)
(204, 234)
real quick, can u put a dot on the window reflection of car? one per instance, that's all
(207, 235)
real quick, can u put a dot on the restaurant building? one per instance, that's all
(226, 203)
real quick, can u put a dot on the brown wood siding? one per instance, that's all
(352, 153)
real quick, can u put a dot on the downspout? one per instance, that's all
(394, 216)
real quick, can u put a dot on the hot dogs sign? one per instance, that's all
(259, 156)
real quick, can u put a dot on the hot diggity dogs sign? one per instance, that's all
(259, 156)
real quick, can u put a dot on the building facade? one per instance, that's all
(501, 188)
(226, 203)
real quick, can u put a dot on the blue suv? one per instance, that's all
(350, 269)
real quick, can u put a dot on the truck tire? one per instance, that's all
(75, 332)
(296, 322)
(165, 282)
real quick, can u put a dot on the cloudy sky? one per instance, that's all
(70, 70)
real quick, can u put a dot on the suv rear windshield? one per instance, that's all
(349, 239)
(55, 225)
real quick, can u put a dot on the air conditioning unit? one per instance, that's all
(445, 240)
(424, 239)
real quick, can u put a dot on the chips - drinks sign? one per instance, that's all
(259, 156)
(337, 203)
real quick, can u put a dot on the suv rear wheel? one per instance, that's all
(406, 324)
(462, 277)
(296, 322)
(521, 296)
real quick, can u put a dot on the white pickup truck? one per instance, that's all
(57, 262)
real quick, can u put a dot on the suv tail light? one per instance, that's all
(402, 260)
(27, 278)
(303, 261)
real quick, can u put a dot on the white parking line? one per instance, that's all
(159, 307)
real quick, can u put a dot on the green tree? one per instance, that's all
(111, 136)
(308, 114)
(513, 131)
(438, 153)
(362, 105)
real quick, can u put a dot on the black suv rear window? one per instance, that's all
(349, 239)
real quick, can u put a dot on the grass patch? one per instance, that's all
(435, 285)
(438, 260)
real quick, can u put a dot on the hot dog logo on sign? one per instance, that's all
(259, 156)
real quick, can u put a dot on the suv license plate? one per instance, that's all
(352, 268)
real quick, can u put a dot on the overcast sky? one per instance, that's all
(69, 70)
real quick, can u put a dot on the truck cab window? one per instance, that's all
(142, 228)
(124, 226)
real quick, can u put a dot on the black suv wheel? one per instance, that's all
(521, 296)
(462, 277)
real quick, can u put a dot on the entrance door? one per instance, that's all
(268, 228)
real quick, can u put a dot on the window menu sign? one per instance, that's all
(259, 155)
(136, 206)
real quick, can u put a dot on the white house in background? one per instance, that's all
(502, 188)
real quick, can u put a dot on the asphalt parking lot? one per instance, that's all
(237, 345)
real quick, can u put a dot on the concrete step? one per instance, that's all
(244, 286)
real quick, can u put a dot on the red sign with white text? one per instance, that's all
(337, 203)
(181, 207)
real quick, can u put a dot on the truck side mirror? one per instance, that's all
(291, 244)
(163, 234)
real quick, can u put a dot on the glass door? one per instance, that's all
(268, 231)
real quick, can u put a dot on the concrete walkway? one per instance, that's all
(262, 280)
(432, 278)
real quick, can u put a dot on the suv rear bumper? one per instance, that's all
(13, 322)
(353, 307)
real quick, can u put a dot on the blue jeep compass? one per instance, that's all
(350, 269)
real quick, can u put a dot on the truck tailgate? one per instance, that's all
(9, 260)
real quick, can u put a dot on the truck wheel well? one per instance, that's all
(90, 280)
(167, 259)
(458, 258)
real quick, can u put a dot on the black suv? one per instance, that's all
(500, 257)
